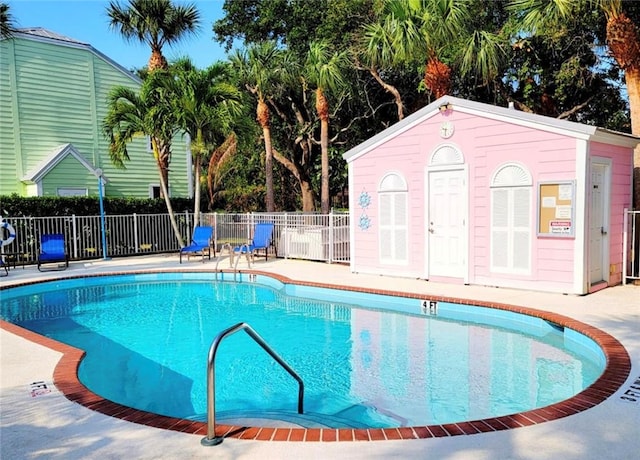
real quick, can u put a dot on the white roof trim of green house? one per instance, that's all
(55, 157)
(509, 115)
(43, 35)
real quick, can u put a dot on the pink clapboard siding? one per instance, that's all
(488, 138)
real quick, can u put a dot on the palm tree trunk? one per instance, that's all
(167, 201)
(322, 107)
(161, 149)
(437, 77)
(157, 61)
(268, 164)
(262, 115)
(632, 79)
(325, 200)
(196, 195)
(163, 162)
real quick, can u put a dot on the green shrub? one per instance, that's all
(17, 206)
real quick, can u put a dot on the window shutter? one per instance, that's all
(499, 228)
(400, 225)
(521, 228)
(511, 220)
(393, 220)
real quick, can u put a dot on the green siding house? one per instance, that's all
(53, 92)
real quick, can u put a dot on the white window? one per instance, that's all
(393, 220)
(511, 220)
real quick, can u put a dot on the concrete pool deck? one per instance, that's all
(48, 425)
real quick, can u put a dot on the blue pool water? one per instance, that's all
(366, 360)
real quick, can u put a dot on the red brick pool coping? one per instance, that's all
(617, 369)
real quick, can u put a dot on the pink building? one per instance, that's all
(470, 193)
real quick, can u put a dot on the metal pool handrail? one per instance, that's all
(211, 439)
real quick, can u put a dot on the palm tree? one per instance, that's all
(6, 21)
(205, 103)
(154, 22)
(131, 115)
(323, 71)
(622, 36)
(423, 31)
(261, 68)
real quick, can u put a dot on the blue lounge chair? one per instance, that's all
(262, 235)
(52, 250)
(4, 267)
(200, 243)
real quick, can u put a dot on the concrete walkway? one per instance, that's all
(48, 426)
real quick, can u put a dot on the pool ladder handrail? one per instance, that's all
(243, 249)
(211, 439)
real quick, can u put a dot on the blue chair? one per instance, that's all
(52, 250)
(200, 243)
(4, 267)
(262, 235)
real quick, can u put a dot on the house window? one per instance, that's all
(393, 219)
(154, 191)
(511, 187)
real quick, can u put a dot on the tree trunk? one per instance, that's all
(308, 195)
(268, 164)
(163, 159)
(196, 195)
(160, 146)
(623, 43)
(167, 201)
(322, 106)
(632, 79)
(437, 77)
(391, 89)
(262, 115)
(157, 61)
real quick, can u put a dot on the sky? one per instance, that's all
(87, 21)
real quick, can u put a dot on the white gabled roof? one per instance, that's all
(541, 122)
(47, 36)
(53, 158)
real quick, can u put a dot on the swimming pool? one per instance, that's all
(409, 363)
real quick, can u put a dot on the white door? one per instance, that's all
(447, 223)
(598, 224)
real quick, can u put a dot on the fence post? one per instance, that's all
(625, 243)
(215, 232)
(74, 235)
(331, 235)
(136, 237)
(287, 237)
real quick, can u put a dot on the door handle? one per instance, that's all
(603, 231)
(431, 229)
